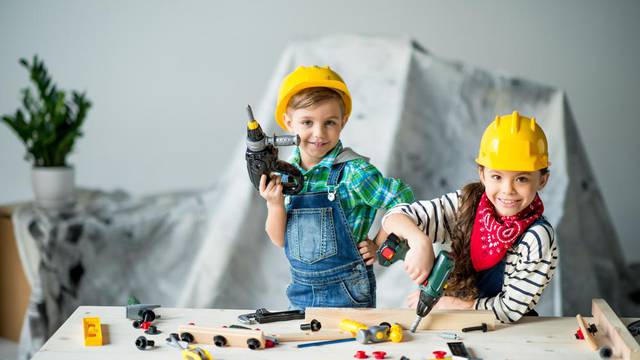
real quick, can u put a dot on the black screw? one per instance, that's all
(605, 352)
(148, 315)
(253, 343)
(185, 336)
(142, 343)
(482, 327)
(219, 341)
(314, 325)
(152, 330)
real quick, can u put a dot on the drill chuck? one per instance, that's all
(262, 157)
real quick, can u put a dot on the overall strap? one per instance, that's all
(335, 174)
(339, 163)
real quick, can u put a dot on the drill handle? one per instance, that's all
(295, 181)
(392, 250)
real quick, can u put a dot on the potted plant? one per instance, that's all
(49, 124)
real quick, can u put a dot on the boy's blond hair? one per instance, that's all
(314, 96)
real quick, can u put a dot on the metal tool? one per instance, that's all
(459, 351)
(262, 157)
(394, 249)
(263, 315)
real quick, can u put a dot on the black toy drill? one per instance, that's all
(394, 249)
(262, 157)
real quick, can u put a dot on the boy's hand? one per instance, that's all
(272, 192)
(419, 261)
(368, 250)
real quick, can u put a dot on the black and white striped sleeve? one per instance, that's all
(435, 218)
(528, 270)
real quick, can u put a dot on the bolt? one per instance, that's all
(142, 343)
(482, 327)
(148, 315)
(449, 335)
(314, 325)
(605, 352)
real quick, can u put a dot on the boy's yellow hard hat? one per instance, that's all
(513, 143)
(305, 77)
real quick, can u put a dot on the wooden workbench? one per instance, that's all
(531, 338)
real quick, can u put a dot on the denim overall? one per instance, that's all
(489, 282)
(327, 269)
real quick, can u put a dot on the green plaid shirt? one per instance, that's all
(362, 190)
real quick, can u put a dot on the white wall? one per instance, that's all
(170, 79)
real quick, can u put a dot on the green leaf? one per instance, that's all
(47, 124)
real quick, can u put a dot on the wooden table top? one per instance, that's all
(531, 338)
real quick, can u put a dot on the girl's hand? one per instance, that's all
(272, 192)
(419, 260)
(412, 299)
(368, 250)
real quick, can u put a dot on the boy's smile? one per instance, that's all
(319, 128)
(511, 191)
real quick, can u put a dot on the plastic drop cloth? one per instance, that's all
(418, 117)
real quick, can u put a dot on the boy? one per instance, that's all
(324, 228)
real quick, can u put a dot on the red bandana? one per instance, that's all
(493, 234)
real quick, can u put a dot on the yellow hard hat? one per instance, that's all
(514, 143)
(305, 77)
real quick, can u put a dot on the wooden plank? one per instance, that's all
(622, 343)
(323, 334)
(233, 337)
(436, 320)
(588, 337)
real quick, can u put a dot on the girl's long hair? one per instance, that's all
(462, 282)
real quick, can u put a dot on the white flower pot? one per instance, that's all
(53, 186)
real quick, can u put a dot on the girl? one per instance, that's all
(504, 250)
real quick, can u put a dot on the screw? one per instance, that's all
(448, 335)
(314, 325)
(482, 327)
(379, 354)
(360, 355)
(142, 343)
(148, 315)
(605, 352)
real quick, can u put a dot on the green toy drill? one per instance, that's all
(394, 249)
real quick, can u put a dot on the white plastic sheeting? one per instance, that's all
(418, 117)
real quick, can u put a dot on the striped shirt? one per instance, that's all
(362, 189)
(530, 263)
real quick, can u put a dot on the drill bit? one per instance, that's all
(250, 112)
(415, 324)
